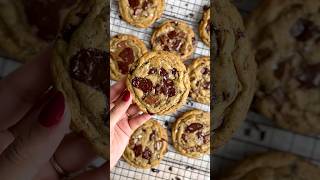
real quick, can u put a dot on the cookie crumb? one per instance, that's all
(155, 170)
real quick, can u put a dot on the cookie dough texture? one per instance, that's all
(80, 69)
(191, 133)
(174, 36)
(27, 27)
(147, 145)
(199, 74)
(273, 166)
(204, 27)
(286, 36)
(124, 50)
(233, 72)
(141, 13)
(159, 82)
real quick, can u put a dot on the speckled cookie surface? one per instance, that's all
(124, 50)
(159, 82)
(80, 71)
(174, 36)
(273, 166)
(233, 72)
(141, 13)
(199, 74)
(204, 27)
(191, 133)
(147, 145)
(29, 26)
(286, 37)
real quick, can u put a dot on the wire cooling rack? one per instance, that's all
(173, 165)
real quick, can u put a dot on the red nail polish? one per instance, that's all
(126, 95)
(51, 114)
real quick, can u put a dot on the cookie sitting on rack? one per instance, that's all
(159, 82)
(286, 37)
(147, 145)
(124, 50)
(141, 13)
(204, 27)
(174, 36)
(191, 133)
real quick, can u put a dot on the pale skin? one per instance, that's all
(26, 145)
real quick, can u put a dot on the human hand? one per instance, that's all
(33, 122)
(124, 119)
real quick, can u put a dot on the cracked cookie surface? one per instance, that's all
(141, 13)
(174, 36)
(286, 37)
(191, 133)
(147, 145)
(124, 50)
(159, 82)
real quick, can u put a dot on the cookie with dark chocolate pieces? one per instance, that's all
(191, 133)
(80, 71)
(286, 37)
(159, 82)
(147, 145)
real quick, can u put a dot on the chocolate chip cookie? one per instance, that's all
(29, 26)
(272, 166)
(124, 50)
(141, 13)
(191, 133)
(147, 145)
(199, 74)
(80, 71)
(286, 36)
(204, 27)
(174, 36)
(233, 72)
(159, 82)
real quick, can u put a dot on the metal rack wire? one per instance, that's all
(173, 166)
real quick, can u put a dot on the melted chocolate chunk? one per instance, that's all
(150, 99)
(206, 85)
(152, 71)
(152, 135)
(164, 73)
(45, 15)
(168, 88)
(310, 77)
(147, 154)
(194, 127)
(304, 29)
(127, 55)
(205, 71)
(172, 34)
(137, 150)
(174, 71)
(90, 67)
(123, 67)
(134, 3)
(142, 83)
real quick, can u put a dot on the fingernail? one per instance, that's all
(51, 114)
(126, 95)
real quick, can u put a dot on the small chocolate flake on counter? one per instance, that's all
(155, 170)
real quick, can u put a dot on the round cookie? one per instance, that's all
(286, 38)
(141, 13)
(159, 82)
(80, 72)
(28, 27)
(199, 74)
(147, 145)
(204, 27)
(191, 133)
(124, 50)
(272, 166)
(233, 72)
(174, 36)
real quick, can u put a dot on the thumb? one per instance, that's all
(34, 147)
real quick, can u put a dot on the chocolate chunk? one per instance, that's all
(152, 71)
(147, 154)
(168, 88)
(206, 85)
(174, 71)
(90, 67)
(134, 3)
(199, 134)
(164, 73)
(205, 71)
(194, 127)
(127, 55)
(123, 67)
(142, 83)
(45, 15)
(152, 135)
(184, 137)
(146, 4)
(310, 77)
(206, 139)
(304, 29)
(155, 170)
(172, 34)
(176, 44)
(170, 168)
(137, 150)
(150, 99)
